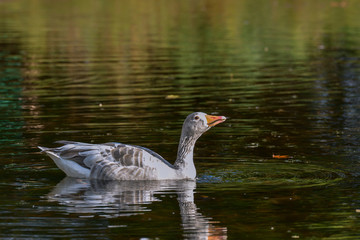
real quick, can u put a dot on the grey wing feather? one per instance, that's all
(81, 153)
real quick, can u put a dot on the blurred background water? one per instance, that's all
(285, 165)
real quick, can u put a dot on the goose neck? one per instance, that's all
(185, 152)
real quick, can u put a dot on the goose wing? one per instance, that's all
(113, 161)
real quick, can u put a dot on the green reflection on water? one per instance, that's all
(269, 175)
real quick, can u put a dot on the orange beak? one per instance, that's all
(214, 120)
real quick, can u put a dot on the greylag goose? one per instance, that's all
(117, 161)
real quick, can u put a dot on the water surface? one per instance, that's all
(285, 165)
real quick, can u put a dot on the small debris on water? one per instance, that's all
(171, 96)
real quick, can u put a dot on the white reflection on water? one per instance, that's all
(113, 199)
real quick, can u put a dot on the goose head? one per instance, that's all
(198, 122)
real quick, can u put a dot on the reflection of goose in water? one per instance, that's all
(117, 161)
(124, 198)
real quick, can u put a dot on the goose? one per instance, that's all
(118, 161)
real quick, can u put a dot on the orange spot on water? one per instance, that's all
(280, 156)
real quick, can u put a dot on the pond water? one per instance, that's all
(285, 165)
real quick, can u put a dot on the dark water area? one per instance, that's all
(285, 165)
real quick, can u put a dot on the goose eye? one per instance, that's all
(196, 117)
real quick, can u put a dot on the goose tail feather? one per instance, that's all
(71, 168)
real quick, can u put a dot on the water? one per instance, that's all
(285, 73)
